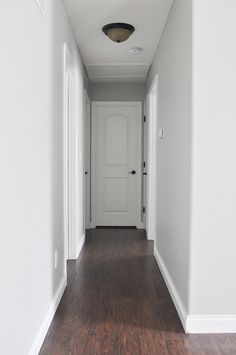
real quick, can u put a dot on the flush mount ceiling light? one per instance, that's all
(118, 32)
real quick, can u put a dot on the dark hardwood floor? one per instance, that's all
(116, 302)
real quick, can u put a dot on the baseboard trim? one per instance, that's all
(172, 289)
(210, 324)
(195, 324)
(140, 225)
(92, 225)
(149, 238)
(36, 346)
(80, 246)
(78, 249)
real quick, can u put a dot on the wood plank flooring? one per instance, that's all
(117, 303)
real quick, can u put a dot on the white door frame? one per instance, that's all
(68, 77)
(87, 103)
(93, 161)
(152, 118)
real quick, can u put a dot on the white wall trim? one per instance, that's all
(152, 123)
(119, 64)
(140, 225)
(87, 159)
(172, 289)
(80, 246)
(195, 324)
(35, 348)
(92, 225)
(67, 152)
(210, 324)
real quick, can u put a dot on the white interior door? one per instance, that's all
(87, 167)
(116, 142)
(145, 160)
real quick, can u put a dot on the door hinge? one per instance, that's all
(144, 118)
(144, 209)
(144, 164)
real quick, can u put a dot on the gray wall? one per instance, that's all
(213, 271)
(31, 190)
(117, 91)
(172, 63)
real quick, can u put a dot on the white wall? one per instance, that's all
(195, 63)
(213, 266)
(172, 63)
(31, 189)
(117, 91)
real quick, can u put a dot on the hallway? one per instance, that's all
(118, 115)
(116, 302)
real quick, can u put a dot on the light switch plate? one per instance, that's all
(41, 6)
(161, 133)
(55, 259)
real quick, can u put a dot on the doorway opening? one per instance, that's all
(123, 170)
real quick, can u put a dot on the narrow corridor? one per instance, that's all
(116, 302)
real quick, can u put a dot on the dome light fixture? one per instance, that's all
(118, 32)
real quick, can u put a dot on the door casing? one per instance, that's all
(87, 160)
(68, 116)
(152, 136)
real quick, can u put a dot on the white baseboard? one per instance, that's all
(210, 324)
(195, 324)
(149, 238)
(172, 290)
(80, 246)
(92, 225)
(78, 249)
(140, 225)
(35, 348)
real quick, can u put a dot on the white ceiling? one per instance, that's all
(107, 61)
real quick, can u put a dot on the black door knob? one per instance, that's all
(133, 172)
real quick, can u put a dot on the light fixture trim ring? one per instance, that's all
(114, 25)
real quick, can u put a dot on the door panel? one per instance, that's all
(116, 195)
(116, 140)
(117, 151)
